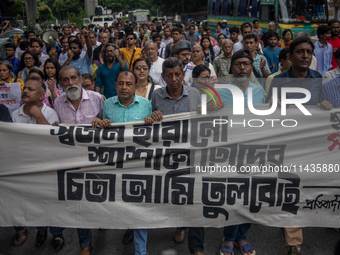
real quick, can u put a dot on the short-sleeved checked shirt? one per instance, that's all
(331, 92)
(257, 64)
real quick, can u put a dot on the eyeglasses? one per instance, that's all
(245, 64)
(28, 59)
(86, 85)
(110, 51)
(145, 68)
(130, 38)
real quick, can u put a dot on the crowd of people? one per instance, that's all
(126, 72)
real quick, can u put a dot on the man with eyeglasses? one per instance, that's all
(107, 73)
(241, 68)
(334, 40)
(131, 52)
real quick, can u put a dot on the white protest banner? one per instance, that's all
(10, 96)
(185, 171)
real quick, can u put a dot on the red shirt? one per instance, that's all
(335, 42)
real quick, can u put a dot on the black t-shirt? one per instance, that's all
(5, 116)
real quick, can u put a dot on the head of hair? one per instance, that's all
(183, 34)
(24, 45)
(299, 40)
(199, 47)
(166, 28)
(273, 34)
(283, 53)
(172, 63)
(92, 32)
(225, 37)
(251, 36)
(191, 26)
(199, 69)
(333, 21)
(133, 34)
(87, 76)
(126, 72)
(255, 20)
(42, 85)
(10, 45)
(210, 45)
(158, 28)
(150, 42)
(234, 30)
(76, 41)
(67, 68)
(35, 57)
(286, 31)
(57, 67)
(147, 61)
(155, 36)
(322, 29)
(177, 29)
(103, 51)
(7, 64)
(30, 32)
(37, 20)
(37, 41)
(302, 34)
(37, 71)
(63, 38)
(245, 25)
(227, 40)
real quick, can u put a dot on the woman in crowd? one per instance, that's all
(218, 48)
(212, 40)
(202, 77)
(29, 61)
(287, 37)
(51, 73)
(208, 49)
(197, 55)
(145, 84)
(256, 29)
(5, 74)
(88, 82)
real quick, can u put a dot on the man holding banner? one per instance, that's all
(33, 111)
(126, 107)
(78, 106)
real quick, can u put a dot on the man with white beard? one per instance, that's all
(78, 106)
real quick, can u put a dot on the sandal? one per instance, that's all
(227, 246)
(244, 247)
(18, 236)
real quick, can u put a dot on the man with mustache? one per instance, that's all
(82, 63)
(107, 73)
(241, 68)
(78, 106)
(34, 111)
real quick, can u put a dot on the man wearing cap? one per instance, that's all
(241, 68)
(224, 29)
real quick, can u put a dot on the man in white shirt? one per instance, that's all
(156, 62)
(34, 111)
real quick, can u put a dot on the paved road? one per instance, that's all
(266, 240)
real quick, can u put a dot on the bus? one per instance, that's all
(297, 15)
(139, 16)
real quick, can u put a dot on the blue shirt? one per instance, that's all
(16, 65)
(227, 97)
(286, 79)
(107, 77)
(114, 111)
(272, 56)
(83, 64)
(225, 31)
(331, 92)
(324, 56)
